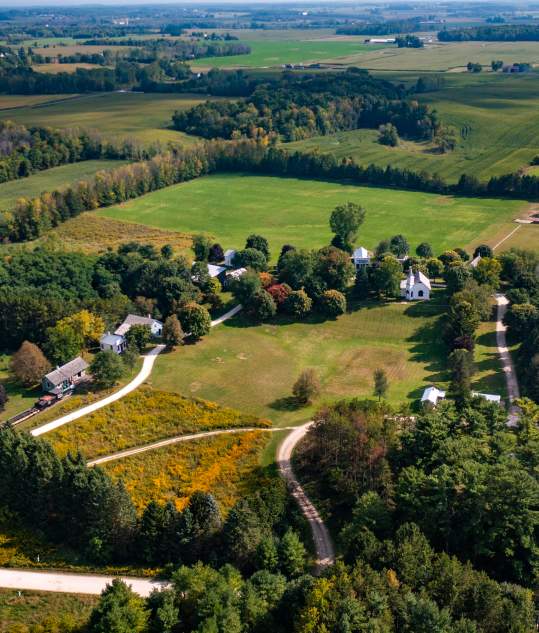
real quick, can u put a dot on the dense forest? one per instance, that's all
(493, 33)
(296, 107)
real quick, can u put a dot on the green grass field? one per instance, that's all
(253, 368)
(50, 179)
(289, 210)
(146, 117)
(267, 53)
(445, 57)
(496, 118)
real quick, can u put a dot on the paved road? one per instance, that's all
(511, 380)
(325, 552)
(180, 438)
(144, 373)
(146, 370)
(70, 583)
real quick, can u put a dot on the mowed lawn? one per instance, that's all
(50, 179)
(146, 117)
(290, 210)
(496, 118)
(266, 53)
(253, 368)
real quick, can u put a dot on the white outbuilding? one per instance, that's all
(112, 343)
(431, 396)
(489, 397)
(416, 287)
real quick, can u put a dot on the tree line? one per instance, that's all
(31, 218)
(492, 33)
(381, 28)
(24, 151)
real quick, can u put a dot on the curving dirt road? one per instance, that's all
(511, 380)
(325, 552)
(179, 438)
(146, 370)
(71, 583)
(144, 373)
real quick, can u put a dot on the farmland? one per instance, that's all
(145, 117)
(141, 418)
(289, 210)
(268, 53)
(50, 179)
(225, 465)
(495, 116)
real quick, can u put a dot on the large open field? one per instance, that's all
(267, 53)
(50, 179)
(445, 56)
(289, 210)
(496, 118)
(253, 368)
(146, 117)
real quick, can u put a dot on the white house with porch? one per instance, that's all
(156, 327)
(64, 378)
(416, 287)
(361, 257)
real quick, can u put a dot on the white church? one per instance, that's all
(416, 287)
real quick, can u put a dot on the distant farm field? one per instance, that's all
(50, 179)
(7, 102)
(267, 53)
(146, 117)
(446, 56)
(289, 210)
(496, 118)
(63, 68)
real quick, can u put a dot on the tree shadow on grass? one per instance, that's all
(488, 339)
(286, 403)
(429, 349)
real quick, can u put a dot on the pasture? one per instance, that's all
(495, 116)
(145, 117)
(268, 53)
(64, 68)
(253, 367)
(444, 57)
(50, 179)
(290, 210)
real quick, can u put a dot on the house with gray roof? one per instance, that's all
(156, 327)
(64, 378)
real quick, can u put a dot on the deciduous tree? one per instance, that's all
(307, 386)
(29, 364)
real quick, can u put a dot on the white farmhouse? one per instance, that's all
(416, 287)
(431, 396)
(112, 343)
(361, 257)
(156, 327)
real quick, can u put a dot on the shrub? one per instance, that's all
(306, 387)
(29, 364)
(266, 279)
(332, 303)
(246, 286)
(261, 306)
(298, 303)
(172, 332)
(279, 292)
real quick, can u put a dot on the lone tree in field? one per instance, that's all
(172, 332)
(195, 320)
(388, 135)
(345, 221)
(3, 397)
(381, 383)
(306, 387)
(29, 364)
(107, 368)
